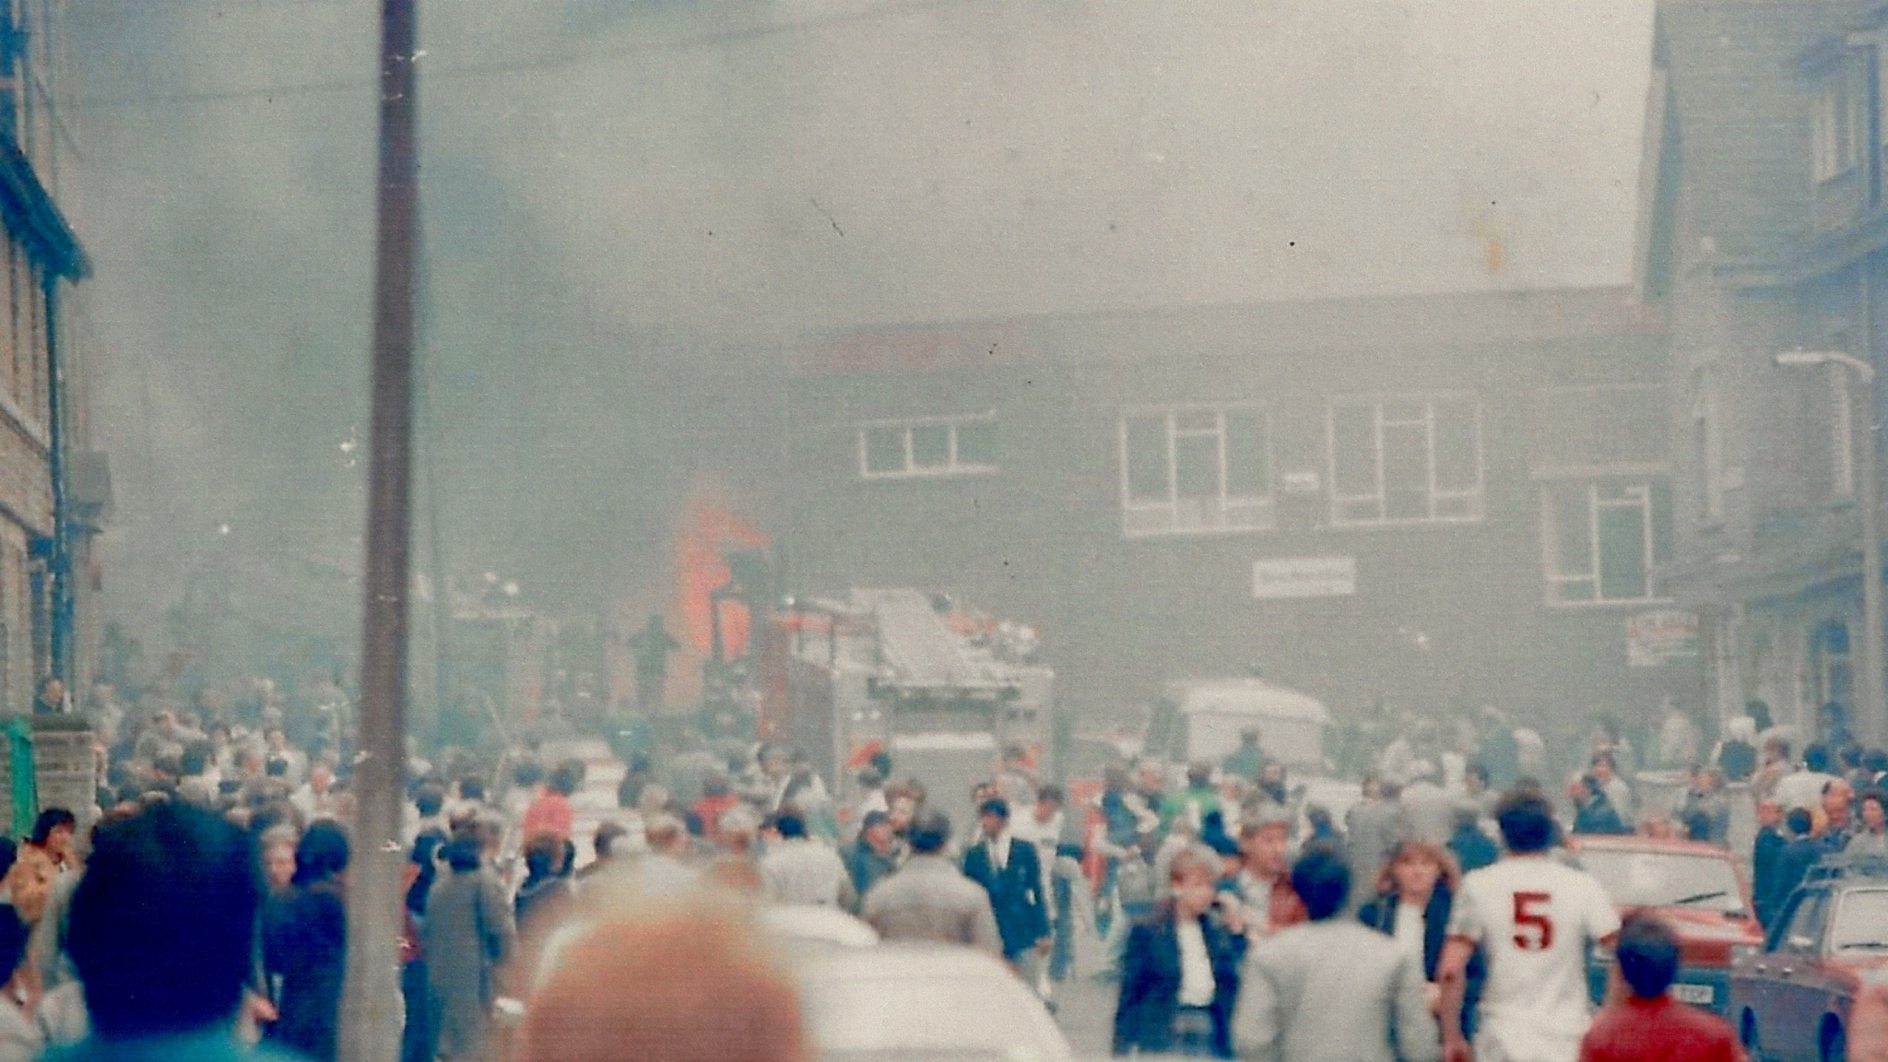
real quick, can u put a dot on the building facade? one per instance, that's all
(1763, 234)
(1426, 502)
(45, 524)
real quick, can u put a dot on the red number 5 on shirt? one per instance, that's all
(1530, 913)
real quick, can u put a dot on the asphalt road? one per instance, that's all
(1085, 1011)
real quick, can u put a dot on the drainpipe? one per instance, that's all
(1876, 724)
(59, 563)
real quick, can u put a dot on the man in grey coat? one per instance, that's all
(929, 898)
(1332, 990)
(1371, 830)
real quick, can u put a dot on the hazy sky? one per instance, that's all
(612, 181)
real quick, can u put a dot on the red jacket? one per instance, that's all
(549, 813)
(1658, 1030)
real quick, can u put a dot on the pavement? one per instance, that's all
(1085, 1012)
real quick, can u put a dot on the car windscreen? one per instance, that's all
(908, 1017)
(1861, 923)
(1665, 879)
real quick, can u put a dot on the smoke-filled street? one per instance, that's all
(576, 530)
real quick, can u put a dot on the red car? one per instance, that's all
(1795, 1000)
(1699, 892)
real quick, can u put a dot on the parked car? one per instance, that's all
(1793, 1000)
(1696, 888)
(918, 1001)
(1868, 1021)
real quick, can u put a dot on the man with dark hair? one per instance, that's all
(1605, 768)
(550, 811)
(1799, 853)
(929, 898)
(873, 856)
(1332, 989)
(1010, 871)
(163, 927)
(803, 870)
(1594, 812)
(1533, 919)
(1647, 1025)
(604, 845)
(1472, 848)
(1248, 759)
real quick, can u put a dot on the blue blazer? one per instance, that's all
(1022, 915)
(1150, 984)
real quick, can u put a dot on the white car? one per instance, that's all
(930, 1002)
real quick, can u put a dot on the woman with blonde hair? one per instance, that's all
(1415, 893)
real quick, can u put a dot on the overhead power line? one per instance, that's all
(562, 58)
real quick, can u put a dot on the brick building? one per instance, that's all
(45, 523)
(1426, 502)
(1763, 231)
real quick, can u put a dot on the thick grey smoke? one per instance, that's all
(621, 194)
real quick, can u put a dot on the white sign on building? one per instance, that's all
(1287, 577)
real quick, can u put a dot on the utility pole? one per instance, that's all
(431, 438)
(370, 1001)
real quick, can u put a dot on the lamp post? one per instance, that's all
(1868, 498)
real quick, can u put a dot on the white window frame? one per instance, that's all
(1475, 497)
(953, 466)
(1839, 129)
(1550, 541)
(1253, 513)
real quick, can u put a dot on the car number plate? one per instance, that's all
(1699, 994)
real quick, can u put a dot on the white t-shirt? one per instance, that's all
(1801, 789)
(1533, 919)
(1196, 964)
(1411, 922)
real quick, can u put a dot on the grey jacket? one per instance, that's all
(930, 899)
(1373, 827)
(1334, 991)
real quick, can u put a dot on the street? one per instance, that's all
(1084, 1009)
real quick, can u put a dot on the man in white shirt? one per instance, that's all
(1606, 768)
(799, 869)
(1533, 919)
(1802, 788)
(313, 799)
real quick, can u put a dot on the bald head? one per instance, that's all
(680, 987)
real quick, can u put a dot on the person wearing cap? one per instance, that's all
(873, 855)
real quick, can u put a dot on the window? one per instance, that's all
(1841, 123)
(1802, 931)
(1195, 469)
(1406, 460)
(928, 446)
(1605, 540)
(1858, 924)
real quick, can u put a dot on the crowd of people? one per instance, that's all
(1236, 916)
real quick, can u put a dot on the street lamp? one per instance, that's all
(1874, 700)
